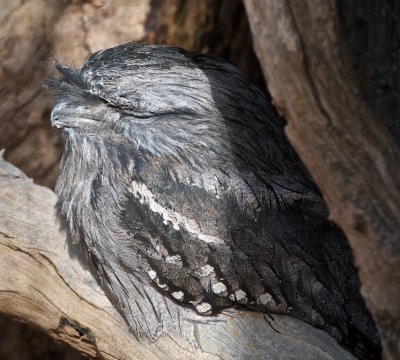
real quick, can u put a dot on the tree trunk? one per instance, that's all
(352, 157)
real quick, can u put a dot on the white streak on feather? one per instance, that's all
(219, 289)
(204, 308)
(266, 299)
(178, 295)
(241, 296)
(152, 274)
(178, 221)
(174, 259)
(207, 270)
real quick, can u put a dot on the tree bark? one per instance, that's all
(352, 157)
(41, 284)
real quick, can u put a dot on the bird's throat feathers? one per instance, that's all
(89, 160)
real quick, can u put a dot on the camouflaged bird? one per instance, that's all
(180, 186)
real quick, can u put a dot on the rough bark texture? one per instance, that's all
(371, 29)
(351, 156)
(52, 291)
(33, 31)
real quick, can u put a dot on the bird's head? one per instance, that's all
(160, 99)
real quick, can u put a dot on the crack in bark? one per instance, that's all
(85, 29)
(307, 65)
(7, 236)
(68, 285)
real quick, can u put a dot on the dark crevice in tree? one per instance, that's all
(371, 28)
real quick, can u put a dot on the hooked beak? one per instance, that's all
(63, 117)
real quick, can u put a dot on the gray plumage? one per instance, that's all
(180, 187)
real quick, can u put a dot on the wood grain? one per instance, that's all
(351, 156)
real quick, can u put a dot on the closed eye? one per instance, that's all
(137, 114)
(140, 114)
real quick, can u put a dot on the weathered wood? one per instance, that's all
(41, 284)
(351, 156)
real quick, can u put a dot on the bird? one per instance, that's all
(182, 193)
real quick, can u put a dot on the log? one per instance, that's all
(43, 285)
(351, 156)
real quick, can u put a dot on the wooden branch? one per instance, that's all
(353, 159)
(41, 284)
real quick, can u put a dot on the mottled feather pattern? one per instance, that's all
(179, 185)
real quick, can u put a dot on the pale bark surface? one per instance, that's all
(41, 284)
(351, 156)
